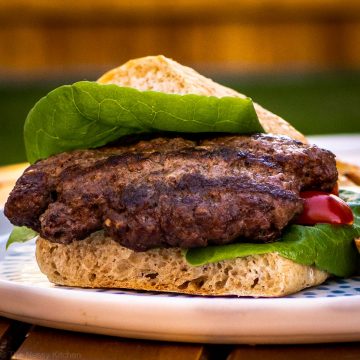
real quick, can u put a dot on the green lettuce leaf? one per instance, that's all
(20, 234)
(87, 115)
(328, 247)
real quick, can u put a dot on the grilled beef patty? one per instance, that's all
(172, 192)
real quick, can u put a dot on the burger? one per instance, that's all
(157, 178)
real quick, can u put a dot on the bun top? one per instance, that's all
(159, 73)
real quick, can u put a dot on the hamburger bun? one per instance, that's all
(159, 73)
(99, 261)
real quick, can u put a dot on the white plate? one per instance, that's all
(327, 313)
(330, 312)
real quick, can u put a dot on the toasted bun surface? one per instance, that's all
(159, 73)
(99, 261)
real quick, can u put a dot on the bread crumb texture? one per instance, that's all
(100, 262)
(159, 73)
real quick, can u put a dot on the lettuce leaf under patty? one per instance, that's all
(328, 247)
(88, 115)
(20, 234)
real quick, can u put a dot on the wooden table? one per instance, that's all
(25, 341)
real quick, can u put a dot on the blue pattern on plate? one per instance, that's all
(20, 266)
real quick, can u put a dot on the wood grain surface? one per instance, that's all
(44, 343)
(12, 334)
(4, 326)
(298, 352)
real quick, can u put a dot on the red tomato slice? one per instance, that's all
(320, 207)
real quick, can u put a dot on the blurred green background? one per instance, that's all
(322, 103)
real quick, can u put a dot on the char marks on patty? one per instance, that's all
(172, 191)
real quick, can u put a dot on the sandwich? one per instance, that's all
(157, 178)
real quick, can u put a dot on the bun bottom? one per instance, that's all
(100, 262)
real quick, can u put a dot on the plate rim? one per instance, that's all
(139, 313)
(336, 315)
